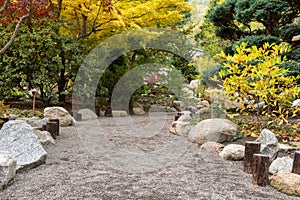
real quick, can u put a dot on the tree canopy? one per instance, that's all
(104, 18)
(238, 18)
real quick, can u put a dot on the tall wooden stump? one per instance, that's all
(251, 148)
(57, 121)
(260, 169)
(51, 127)
(296, 163)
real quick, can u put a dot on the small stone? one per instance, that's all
(233, 152)
(203, 111)
(136, 105)
(192, 109)
(44, 137)
(185, 118)
(211, 147)
(204, 103)
(138, 111)
(179, 105)
(187, 92)
(7, 170)
(185, 113)
(12, 116)
(180, 127)
(87, 114)
(119, 113)
(157, 108)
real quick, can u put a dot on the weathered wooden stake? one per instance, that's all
(57, 121)
(51, 127)
(250, 149)
(296, 163)
(260, 169)
(33, 102)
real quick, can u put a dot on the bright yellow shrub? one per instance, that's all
(254, 75)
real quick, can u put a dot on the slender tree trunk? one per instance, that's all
(61, 87)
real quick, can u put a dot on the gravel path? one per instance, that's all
(97, 161)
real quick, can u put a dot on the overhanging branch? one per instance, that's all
(14, 34)
(4, 6)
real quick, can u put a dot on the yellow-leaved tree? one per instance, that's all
(102, 18)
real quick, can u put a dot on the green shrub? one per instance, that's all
(264, 82)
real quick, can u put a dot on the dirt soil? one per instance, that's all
(82, 166)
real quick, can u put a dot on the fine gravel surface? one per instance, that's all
(109, 159)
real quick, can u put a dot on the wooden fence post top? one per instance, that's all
(261, 155)
(252, 142)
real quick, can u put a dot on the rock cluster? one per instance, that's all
(65, 119)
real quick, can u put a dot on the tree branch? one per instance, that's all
(3, 50)
(4, 6)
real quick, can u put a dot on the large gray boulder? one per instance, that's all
(65, 119)
(19, 141)
(214, 130)
(269, 143)
(7, 170)
(87, 114)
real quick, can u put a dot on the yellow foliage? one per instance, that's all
(86, 17)
(254, 75)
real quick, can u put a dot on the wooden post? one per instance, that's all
(296, 163)
(250, 149)
(33, 102)
(51, 127)
(260, 169)
(57, 121)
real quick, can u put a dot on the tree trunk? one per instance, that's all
(61, 85)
